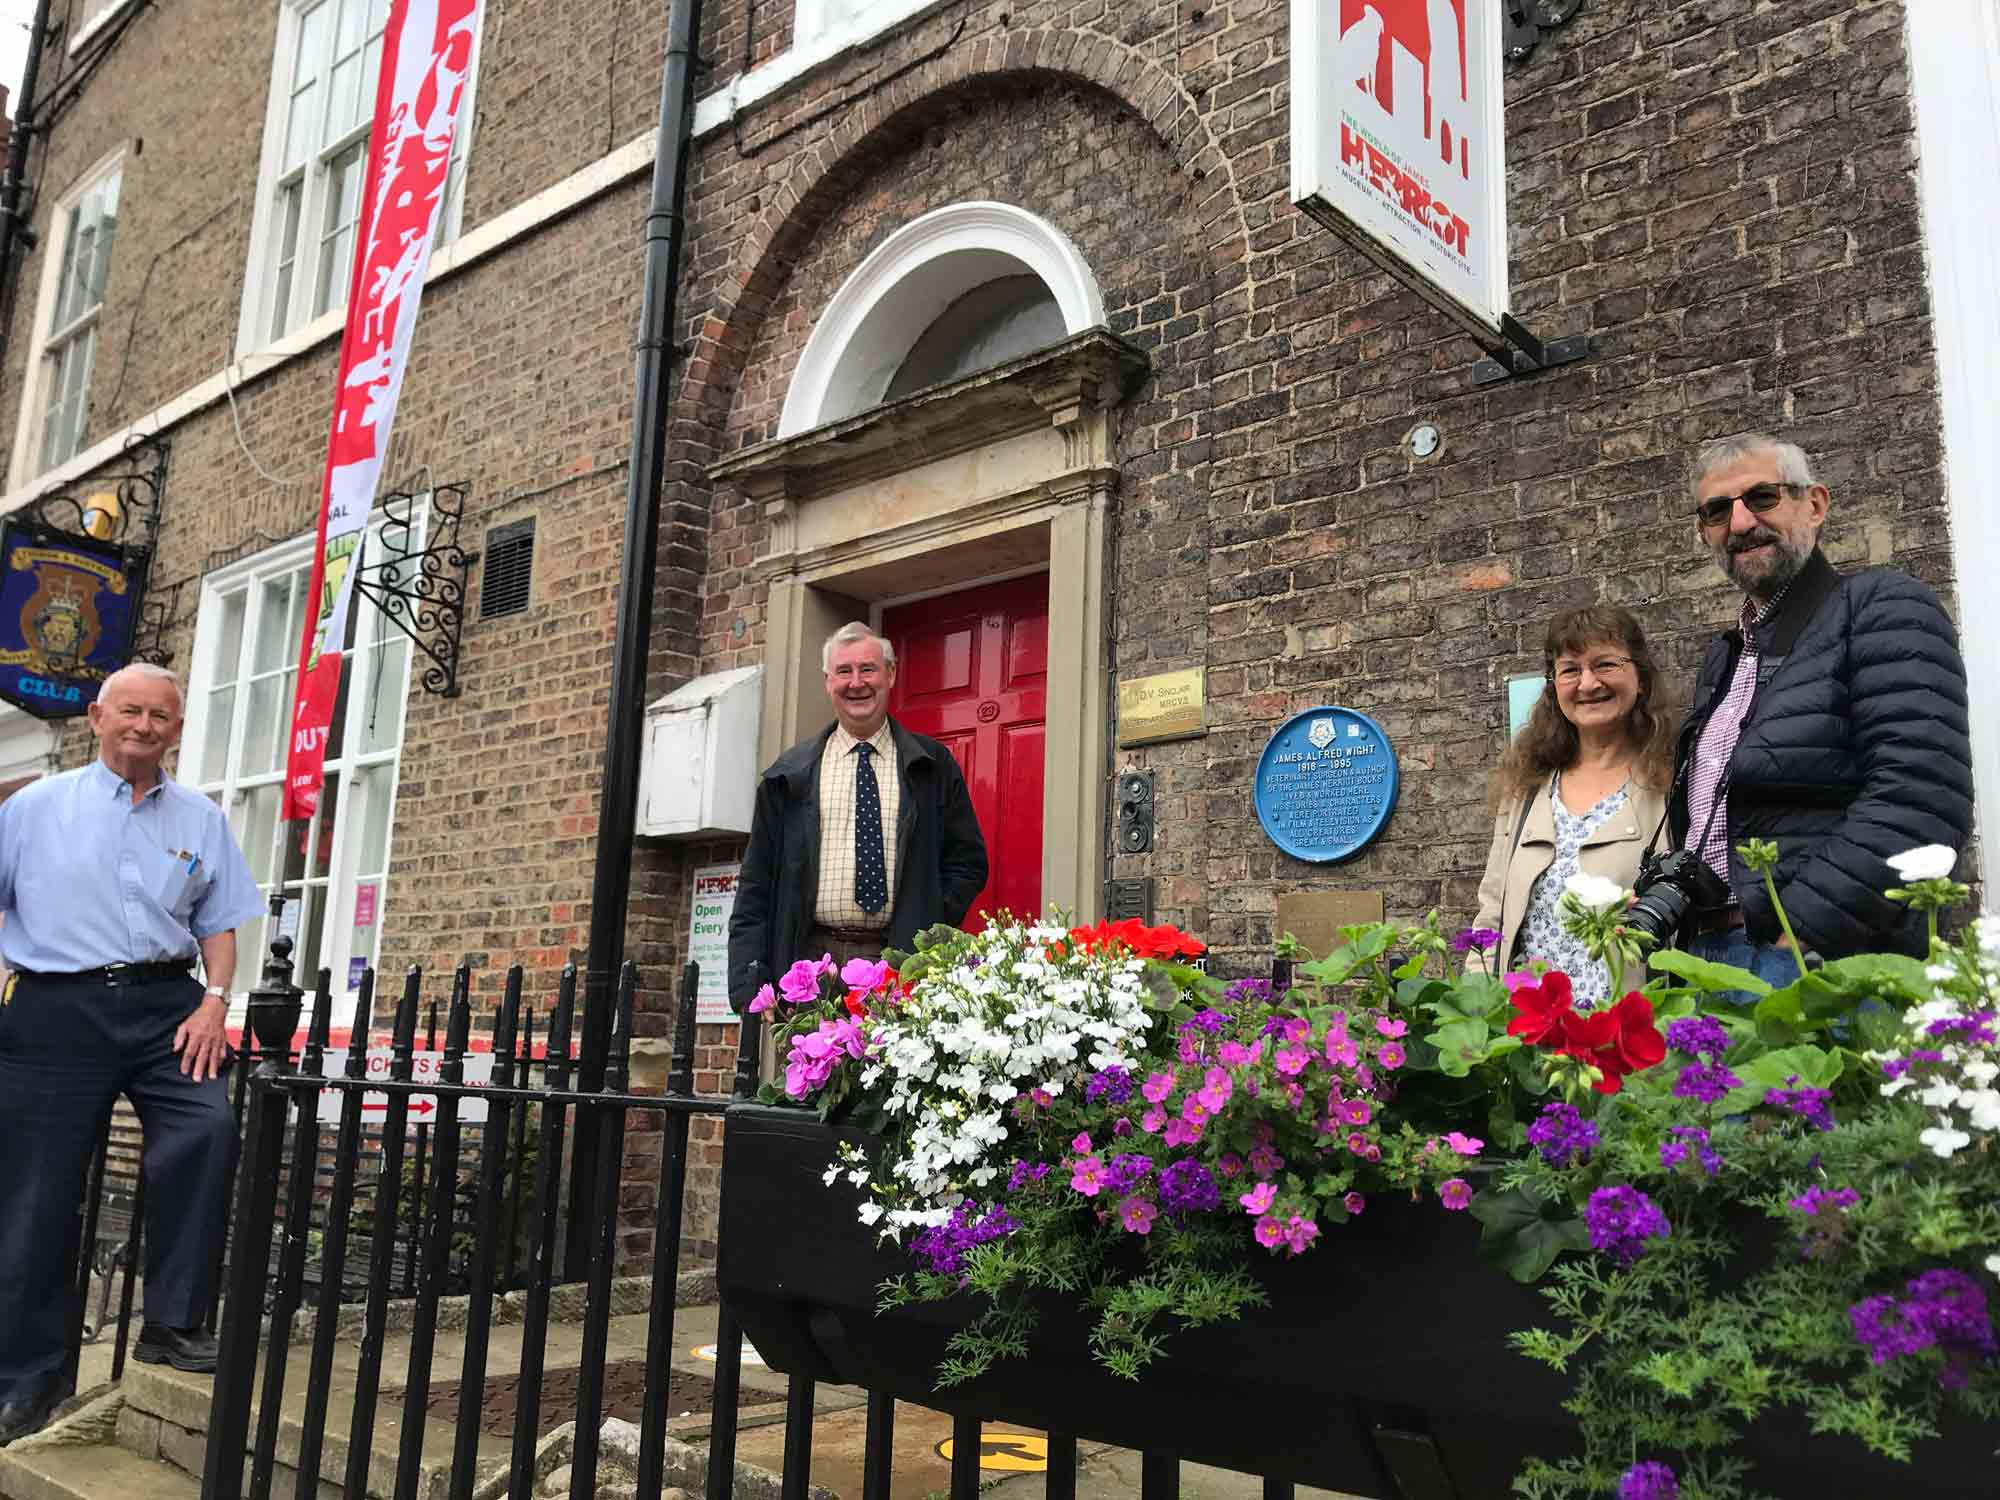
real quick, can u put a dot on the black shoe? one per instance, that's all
(187, 1349)
(25, 1414)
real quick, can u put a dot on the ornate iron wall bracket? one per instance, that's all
(1522, 23)
(419, 583)
(121, 506)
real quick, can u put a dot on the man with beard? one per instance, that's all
(1831, 721)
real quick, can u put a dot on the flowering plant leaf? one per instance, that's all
(1523, 1231)
(1704, 974)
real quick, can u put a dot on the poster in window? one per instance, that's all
(713, 900)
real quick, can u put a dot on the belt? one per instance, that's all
(853, 934)
(1720, 919)
(115, 976)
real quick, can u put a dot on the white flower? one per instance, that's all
(1983, 1109)
(1930, 862)
(1944, 1140)
(1993, 1264)
(1594, 892)
(1988, 929)
(870, 1212)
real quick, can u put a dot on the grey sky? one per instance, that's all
(14, 18)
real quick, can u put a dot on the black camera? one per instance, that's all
(1670, 886)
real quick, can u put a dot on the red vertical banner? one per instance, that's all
(426, 56)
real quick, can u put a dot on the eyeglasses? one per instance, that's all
(1569, 673)
(1760, 498)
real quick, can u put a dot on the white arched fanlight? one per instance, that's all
(869, 327)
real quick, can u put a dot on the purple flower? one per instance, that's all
(1814, 1106)
(1649, 1481)
(1208, 1020)
(1705, 1083)
(1112, 1085)
(1944, 1310)
(1978, 1027)
(1815, 1199)
(1620, 1221)
(1689, 1138)
(1698, 1036)
(1023, 1174)
(1264, 1162)
(1354, 1203)
(1563, 1136)
(1186, 1187)
(943, 1247)
(1255, 991)
(1129, 1170)
(1476, 940)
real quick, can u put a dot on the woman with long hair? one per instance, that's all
(1583, 787)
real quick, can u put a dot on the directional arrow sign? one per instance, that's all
(427, 1069)
(1014, 1452)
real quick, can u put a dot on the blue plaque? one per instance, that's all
(1326, 784)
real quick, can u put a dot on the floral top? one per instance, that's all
(1542, 933)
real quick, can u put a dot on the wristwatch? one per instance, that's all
(216, 992)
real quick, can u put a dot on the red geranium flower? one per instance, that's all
(1616, 1041)
(1544, 1008)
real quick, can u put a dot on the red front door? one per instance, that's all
(972, 671)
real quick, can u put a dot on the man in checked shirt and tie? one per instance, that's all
(863, 835)
(1830, 721)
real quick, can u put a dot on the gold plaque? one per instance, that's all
(1316, 917)
(1167, 706)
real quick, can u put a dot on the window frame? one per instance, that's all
(107, 11)
(231, 786)
(36, 388)
(258, 326)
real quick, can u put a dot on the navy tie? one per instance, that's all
(871, 870)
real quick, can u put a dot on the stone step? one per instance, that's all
(90, 1472)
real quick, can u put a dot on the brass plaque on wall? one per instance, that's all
(1316, 917)
(1165, 706)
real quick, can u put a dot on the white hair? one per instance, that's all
(1794, 468)
(146, 671)
(855, 630)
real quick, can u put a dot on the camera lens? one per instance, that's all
(1659, 911)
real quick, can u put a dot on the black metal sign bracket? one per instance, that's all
(1524, 354)
(420, 584)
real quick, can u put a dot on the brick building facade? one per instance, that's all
(1725, 196)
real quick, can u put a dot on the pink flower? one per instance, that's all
(1081, 1145)
(1270, 1231)
(1157, 1087)
(1264, 1162)
(1293, 1060)
(1455, 1193)
(1234, 1055)
(1042, 1097)
(762, 1001)
(864, 974)
(1390, 1055)
(1258, 1199)
(1340, 1046)
(1521, 979)
(1087, 1176)
(1229, 1164)
(1357, 1143)
(1194, 1111)
(1464, 1145)
(1120, 1127)
(1354, 1203)
(1262, 1133)
(1153, 1119)
(1190, 1050)
(1371, 1152)
(800, 983)
(1299, 1233)
(1391, 1025)
(1356, 1111)
(1137, 1215)
(1216, 1089)
(1183, 1132)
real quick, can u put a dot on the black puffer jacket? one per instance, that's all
(1855, 748)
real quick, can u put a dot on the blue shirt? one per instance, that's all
(87, 878)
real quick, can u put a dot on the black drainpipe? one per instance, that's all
(618, 813)
(14, 231)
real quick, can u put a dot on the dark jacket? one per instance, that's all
(1855, 747)
(940, 857)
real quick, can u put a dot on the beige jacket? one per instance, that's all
(1613, 851)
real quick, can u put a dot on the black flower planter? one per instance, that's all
(1389, 1338)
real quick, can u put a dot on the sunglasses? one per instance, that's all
(1761, 499)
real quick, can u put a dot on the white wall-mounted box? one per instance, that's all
(698, 769)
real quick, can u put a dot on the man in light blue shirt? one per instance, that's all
(112, 879)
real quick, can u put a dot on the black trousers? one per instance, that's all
(66, 1052)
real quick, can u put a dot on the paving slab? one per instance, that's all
(90, 1473)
